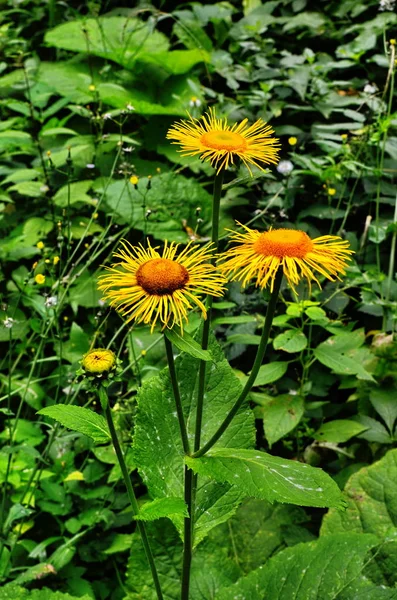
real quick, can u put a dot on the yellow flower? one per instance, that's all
(331, 191)
(219, 143)
(92, 88)
(98, 361)
(40, 245)
(258, 255)
(344, 136)
(56, 260)
(393, 42)
(292, 141)
(148, 287)
(134, 180)
(40, 279)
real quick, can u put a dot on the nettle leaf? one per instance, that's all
(157, 446)
(187, 344)
(340, 363)
(162, 507)
(324, 569)
(82, 420)
(371, 496)
(339, 431)
(11, 591)
(280, 415)
(292, 340)
(384, 402)
(269, 477)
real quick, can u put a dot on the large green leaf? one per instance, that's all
(157, 446)
(371, 495)
(271, 372)
(339, 431)
(340, 363)
(384, 402)
(327, 569)
(290, 341)
(82, 420)
(269, 477)
(172, 199)
(120, 39)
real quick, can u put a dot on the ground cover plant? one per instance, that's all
(198, 373)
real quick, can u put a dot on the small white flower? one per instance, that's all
(90, 166)
(370, 88)
(128, 149)
(44, 188)
(51, 301)
(130, 107)
(285, 167)
(8, 322)
(101, 302)
(194, 101)
(106, 116)
(387, 4)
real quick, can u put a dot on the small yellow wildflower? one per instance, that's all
(344, 136)
(40, 245)
(92, 88)
(95, 215)
(134, 180)
(40, 279)
(292, 141)
(392, 42)
(56, 260)
(331, 191)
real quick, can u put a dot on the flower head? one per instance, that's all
(259, 255)
(292, 141)
(51, 301)
(8, 322)
(194, 101)
(99, 361)
(148, 287)
(331, 191)
(219, 143)
(40, 279)
(40, 245)
(134, 180)
(285, 167)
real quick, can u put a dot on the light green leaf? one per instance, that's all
(338, 431)
(269, 477)
(32, 189)
(384, 402)
(121, 39)
(35, 229)
(340, 363)
(271, 372)
(291, 340)
(280, 415)
(316, 313)
(187, 344)
(157, 446)
(82, 420)
(371, 496)
(121, 542)
(323, 569)
(162, 507)
(11, 591)
(73, 193)
(244, 338)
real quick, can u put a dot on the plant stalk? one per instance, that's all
(254, 372)
(177, 395)
(131, 493)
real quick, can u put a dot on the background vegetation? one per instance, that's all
(88, 92)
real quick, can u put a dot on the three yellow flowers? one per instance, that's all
(152, 288)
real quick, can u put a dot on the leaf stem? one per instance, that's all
(130, 492)
(187, 534)
(177, 395)
(254, 372)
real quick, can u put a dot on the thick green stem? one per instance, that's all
(187, 534)
(254, 372)
(177, 396)
(130, 492)
(216, 202)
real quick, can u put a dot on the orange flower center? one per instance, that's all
(283, 242)
(162, 276)
(224, 140)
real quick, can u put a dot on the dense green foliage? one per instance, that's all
(87, 93)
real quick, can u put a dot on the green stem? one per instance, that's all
(187, 534)
(177, 396)
(130, 492)
(254, 372)
(392, 259)
(216, 202)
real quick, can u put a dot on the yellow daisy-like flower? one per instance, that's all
(259, 255)
(148, 287)
(98, 361)
(219, 143)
